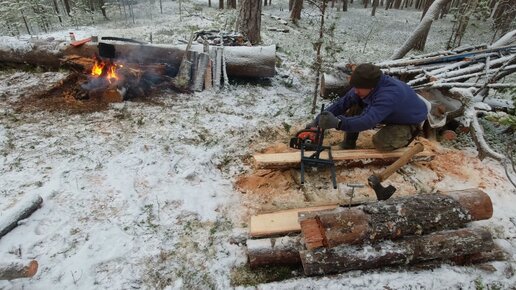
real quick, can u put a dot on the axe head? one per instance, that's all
(382, 193)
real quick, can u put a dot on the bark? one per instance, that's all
(296, 10)
(249, 20)
(274, 251)
(15, 269)
(440, 245)
(395, 218)
(199, 76)
(221, 4)
(421, 29)
(375, 4)
(22, 210)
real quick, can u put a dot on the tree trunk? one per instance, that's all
(221, 4)
(103, 8)
(375, 4)
(10, 270)
(290, 4)
(249, 20)
(441, 245)
(296, 10)
(22, 210)
(421, 29)
(344, 5)
(67, 7)
(274, 251)
(56, 9)
(395, 218)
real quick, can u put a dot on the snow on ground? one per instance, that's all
(141, 195)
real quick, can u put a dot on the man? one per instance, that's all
(375, 99)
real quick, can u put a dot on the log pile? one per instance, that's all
(428, 228)
(479, 67)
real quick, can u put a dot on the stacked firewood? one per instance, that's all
(429, 228)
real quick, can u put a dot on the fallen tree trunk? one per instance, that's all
(10, 270)
(394, 218)
(341, 157)
(241, 61)
(23, 209)
(274, 251)
(440, 245)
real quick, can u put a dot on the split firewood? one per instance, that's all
(15, 269)
(199, 76)
(274, 251)
(395, 218)
(440, 245)
(21, 210)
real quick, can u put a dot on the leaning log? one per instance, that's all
(15, 269)
(440, 245)
(23, 209)
(394, 218)
(241, 61)
(274, 251)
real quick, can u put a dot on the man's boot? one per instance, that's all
(350, 140)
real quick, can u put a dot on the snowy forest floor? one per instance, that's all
(157, 194)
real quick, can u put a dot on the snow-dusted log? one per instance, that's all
(14, 269)
(507, 39)
(21, 210)
(423, 26)
(394, 218)
(274, 251)
(439, 85)
(440, 245)
(334, 85)
(241, 61)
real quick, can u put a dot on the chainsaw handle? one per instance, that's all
(404, 159)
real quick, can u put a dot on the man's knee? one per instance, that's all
(392, 137)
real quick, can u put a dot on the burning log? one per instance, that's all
(22, 210)
(15, 269)
(440, 245)
(395, 218)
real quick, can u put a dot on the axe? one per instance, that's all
(375, 180)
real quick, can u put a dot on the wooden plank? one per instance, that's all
(280, 222)
(341, 158)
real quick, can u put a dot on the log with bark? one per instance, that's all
(394, 218)
(241, 61)
(274, 251)
(21, 210)
(341, 157)
(440, 245)
(14, 269)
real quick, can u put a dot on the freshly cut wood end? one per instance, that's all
(475, 201)
(313, 233)
(32, 268)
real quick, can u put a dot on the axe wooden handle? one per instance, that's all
(404, 159)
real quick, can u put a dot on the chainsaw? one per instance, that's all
(307, 137)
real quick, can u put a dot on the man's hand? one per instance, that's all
(327, 120)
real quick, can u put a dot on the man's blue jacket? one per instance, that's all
(390, 102)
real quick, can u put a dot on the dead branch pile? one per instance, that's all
(428, 228)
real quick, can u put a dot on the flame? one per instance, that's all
(105, 69)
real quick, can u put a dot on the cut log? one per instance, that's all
(440, 245)
(280, 222)
(274, 251)
(395, 218)
(333, 86)
(23, 209)
(341, 157)
(15, 269)
(208, 81)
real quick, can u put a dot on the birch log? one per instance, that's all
(394, 218)
(23, 209)
(14, 269)
(440, 245)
